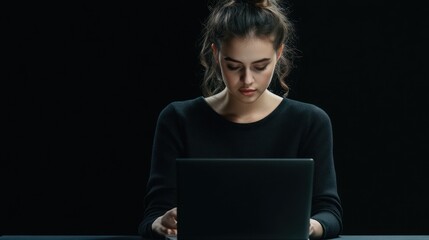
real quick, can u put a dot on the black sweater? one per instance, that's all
(193, 129)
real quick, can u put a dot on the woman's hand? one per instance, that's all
(316, 229)
(167, 223)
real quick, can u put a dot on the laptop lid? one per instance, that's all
(244, 198)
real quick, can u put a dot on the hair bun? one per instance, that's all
(258, 3)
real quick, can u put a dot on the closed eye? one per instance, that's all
(233, 68)
(261, 68)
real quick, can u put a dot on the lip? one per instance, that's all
(247, 91)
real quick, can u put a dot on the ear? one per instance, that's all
(280, 51)
(215, 52)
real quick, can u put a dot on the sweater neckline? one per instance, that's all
(258, 122)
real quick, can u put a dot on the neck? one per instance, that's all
(241, 112)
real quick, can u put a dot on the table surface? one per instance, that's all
(133, 237)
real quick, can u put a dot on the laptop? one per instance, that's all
(244, 198)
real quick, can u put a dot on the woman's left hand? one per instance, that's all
(316, 229)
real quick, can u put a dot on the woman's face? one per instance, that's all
(247, 66)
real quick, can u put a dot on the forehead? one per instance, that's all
(250, 48)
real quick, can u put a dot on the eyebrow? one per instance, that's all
(258, 61)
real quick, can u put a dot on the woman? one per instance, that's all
(244, 45)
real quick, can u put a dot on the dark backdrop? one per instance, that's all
(82, 85)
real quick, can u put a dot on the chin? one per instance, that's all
(249, 99)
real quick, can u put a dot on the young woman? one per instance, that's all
(245, 45)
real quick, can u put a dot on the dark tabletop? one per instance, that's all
(132, 237)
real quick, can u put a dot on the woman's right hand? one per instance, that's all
(166, 224)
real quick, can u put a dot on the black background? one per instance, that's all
(82, 85)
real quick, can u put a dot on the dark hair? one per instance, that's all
(240, 18)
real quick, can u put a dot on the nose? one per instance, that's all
(247, 77)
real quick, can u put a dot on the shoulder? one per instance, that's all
(183, 107)
(305, 110)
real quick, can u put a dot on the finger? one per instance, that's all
(172, 232)
(169, 219)
(169, 222)
(166, 231)
(159, 226)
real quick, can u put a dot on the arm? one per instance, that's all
(161, 186)
(326, 204)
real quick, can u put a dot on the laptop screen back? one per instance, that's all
(230, 199)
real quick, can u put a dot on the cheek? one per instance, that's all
(267, 76)
(230, 78)
(228, 75)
